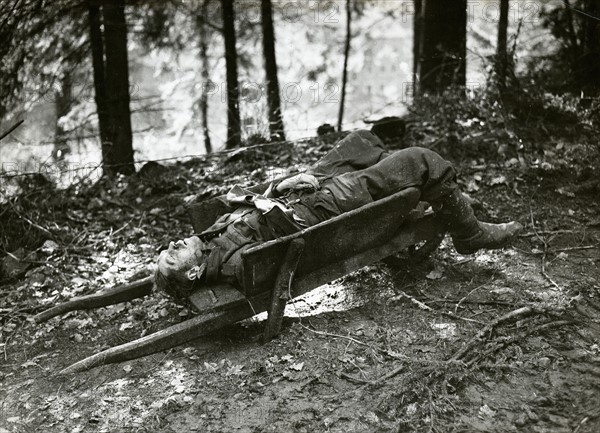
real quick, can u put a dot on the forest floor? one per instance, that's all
(391, 347)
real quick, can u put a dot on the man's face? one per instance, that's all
(180, 256)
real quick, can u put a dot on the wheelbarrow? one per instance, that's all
(275, 271)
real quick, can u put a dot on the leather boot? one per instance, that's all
(469, 234)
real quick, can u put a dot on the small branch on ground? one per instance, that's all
(470, 293)
(580, 424)
(396, 371)
(474, 302)
(513, 338)
(545, 275)
(546, 232)
(542, 240)
(353, 378)
(513, 315)
(587, 247)
(562, 250)
(328, 334)
(33, 224)
(425, 307)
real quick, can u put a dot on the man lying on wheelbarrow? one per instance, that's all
(357, 171)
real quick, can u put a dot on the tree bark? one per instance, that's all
(97, 47)
(206, 82)
(346, 55)
(120, 154)
(590, 61)
(572, 33)
(501, 48)
(417, 40)
(234, 130)
(62, 103)
(273, 100)
(444, 45)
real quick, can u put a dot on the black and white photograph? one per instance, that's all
(300, 216)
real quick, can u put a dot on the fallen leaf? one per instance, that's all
(211, 367)
(564, 191)
(49, 247)
(77, 281)
(436, 274)
(502, 291)
(498, 180)
(472, 186)
(411, 409)
(298, 366)
(485, 411)
(126, 325)
(234, 370)
(290, 375)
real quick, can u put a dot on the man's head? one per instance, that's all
(179, 266)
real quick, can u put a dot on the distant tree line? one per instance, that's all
(73, 31)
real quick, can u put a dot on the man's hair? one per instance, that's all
(174, 286)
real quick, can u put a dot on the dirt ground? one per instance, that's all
(391, 348)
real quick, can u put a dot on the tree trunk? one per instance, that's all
(120, 155)
(574, 48)
(97, 47)
(501, 48)
(590, 61)
(345, 71)
(234, 130)
(273, 99)
(444, 45)
(417, 40)
(206, 82)
(62, 103)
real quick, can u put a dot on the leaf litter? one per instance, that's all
(306, 380)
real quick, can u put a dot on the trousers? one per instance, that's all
(358, 171)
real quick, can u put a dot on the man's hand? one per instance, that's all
(297, 182)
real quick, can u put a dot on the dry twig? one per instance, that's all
(544, 274)
(513, 315)
(328, 334)
(586, 247)
(542, 240)
(396, 371)
(513, 338)
(546, 232)
(425, 307)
